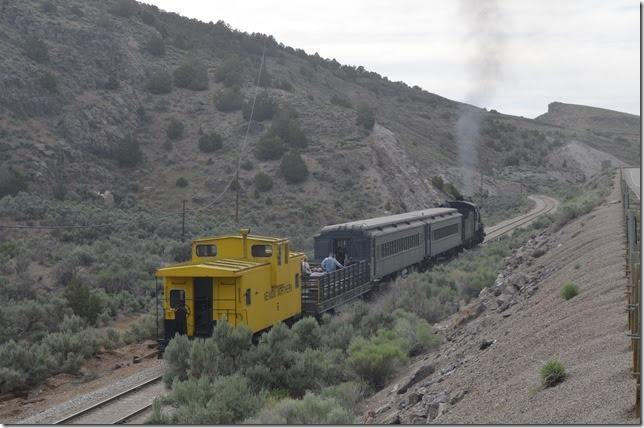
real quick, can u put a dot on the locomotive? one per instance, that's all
(258, 281)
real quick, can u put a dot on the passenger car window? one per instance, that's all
(261, 250)
(177, 298)
(208, 250)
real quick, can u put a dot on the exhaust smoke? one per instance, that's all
(486, 40)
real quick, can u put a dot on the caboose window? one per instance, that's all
(177, 298)
(261, 250)
(209, 250)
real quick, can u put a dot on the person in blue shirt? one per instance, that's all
(330, 263)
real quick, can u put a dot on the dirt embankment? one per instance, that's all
(487, 371)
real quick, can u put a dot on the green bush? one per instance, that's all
(552, 373)
(23, 365)
(376, 359)
(437, 182)
(247, 165)
(181, 182)
(49, 82)
(155, 46)
(230, 99)
(231, 72)
(177, 358)
(205, 359)
(128, 153)
(286, 127)
(365, 117)
(224, 400)
(306, 334)
(124, 8)
(143, 328)
(83, 301)
(174, 130)
(210, 142)
(265, 107)
(568, 291)
(577, 265)
(49, 7)
(341, 100)
(192, 74)
(234, 343)
(310, 410)
(293, 168)
(160, 82)
(36, 49)
(270, 147)
(263, 182)
(11, 182)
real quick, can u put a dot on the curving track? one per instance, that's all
(543, 205)
(128, 406)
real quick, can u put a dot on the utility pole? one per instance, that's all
(183, 221)
(237, 197)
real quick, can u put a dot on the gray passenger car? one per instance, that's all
(393, 243)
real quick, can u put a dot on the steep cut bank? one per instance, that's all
(487, 372)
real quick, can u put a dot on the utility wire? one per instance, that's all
(168, 214)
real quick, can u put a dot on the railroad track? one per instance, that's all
(125, 407)
(544, 205)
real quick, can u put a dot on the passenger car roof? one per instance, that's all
(381, 222)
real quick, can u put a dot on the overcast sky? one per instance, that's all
(515, 56)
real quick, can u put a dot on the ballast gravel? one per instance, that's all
(82, 401)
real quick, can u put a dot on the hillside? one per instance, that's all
(622, 128)
(487, 369)
(82, 85)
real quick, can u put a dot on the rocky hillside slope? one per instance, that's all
(487, 371)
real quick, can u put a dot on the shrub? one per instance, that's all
(286, 126)
(552, 373)
(293, 168)
(77, 10)
(306, 334)
(49, 7)
(192, 74)
(233, 343)
(181, 182)
(311, 409)
(568, 291)
(375, 360)
(210, 142)
(205, 359)
(265, 107)
(437, 182)
(224, 400)
(263, 182)
(12, 182)
(177, 358)
(160, 82)
(365, 117)
(270, 147)
(247, 165)
(155, 46)
(231, 72)
(340, 100)
(230, 99)
(128, 153)
(36, 49)
(175, 129)
(577, 265)
(83, 301)
(23, 365)
(124, 8)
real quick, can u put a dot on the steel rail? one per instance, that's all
(497, 231)
(109, 400)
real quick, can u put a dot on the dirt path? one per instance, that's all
(501, 384)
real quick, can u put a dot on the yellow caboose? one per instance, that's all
(244, 279)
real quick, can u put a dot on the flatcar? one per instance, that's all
(258, 281)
